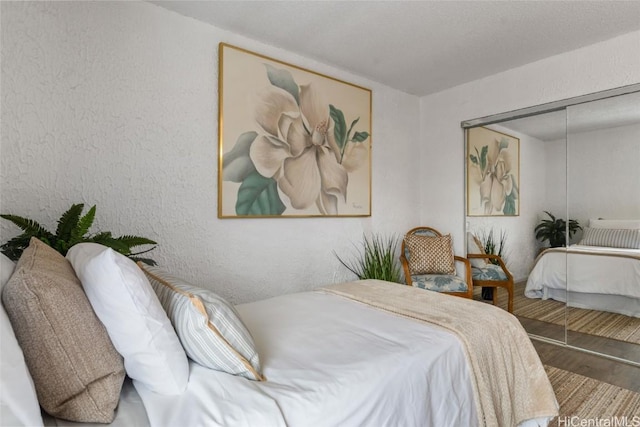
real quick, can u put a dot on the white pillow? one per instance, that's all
(633, 224)
(18, 401)
(6, 269)
(209, 328)
(140, 330)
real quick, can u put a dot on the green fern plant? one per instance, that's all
(376, 260)
(72, 228)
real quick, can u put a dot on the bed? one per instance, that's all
(351, 354)
(602, 272)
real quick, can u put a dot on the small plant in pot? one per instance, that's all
(72, 228)
(554, 230)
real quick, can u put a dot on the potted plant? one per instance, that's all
(554, 230)
(494, 246)
(72, 228)
(377, 260)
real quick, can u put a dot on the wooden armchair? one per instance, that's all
(486, 273)
(428, 262)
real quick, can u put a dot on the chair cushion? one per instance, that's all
(76, 370)
(439, 282)
(488, 272)
(430, 254)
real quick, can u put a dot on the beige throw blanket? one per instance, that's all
(509, 381)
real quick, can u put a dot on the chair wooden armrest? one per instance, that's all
(467, 276)
(507, 284)
(405, 268)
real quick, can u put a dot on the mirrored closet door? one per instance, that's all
(541, 186)
(579, 174)
(603, 187)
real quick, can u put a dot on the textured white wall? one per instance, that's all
(115, 104)
(598, 67)
(604, 174)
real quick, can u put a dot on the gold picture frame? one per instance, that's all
(493, 173)
(291, 142)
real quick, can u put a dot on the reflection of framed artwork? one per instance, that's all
(493, 173)
(292, 142)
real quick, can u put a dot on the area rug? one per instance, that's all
(583, 398)
(601, 323)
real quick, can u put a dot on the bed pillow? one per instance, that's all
(474, 246)
(611, 237)
(18, 401)
(77, 372)
(6, 269)
(430, 254)
(633, 224)
(138, 326)
(209, 328)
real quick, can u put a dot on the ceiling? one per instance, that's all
(420, 47)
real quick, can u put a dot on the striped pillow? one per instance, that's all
(611, 237)
(209, 328)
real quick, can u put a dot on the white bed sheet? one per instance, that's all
(334, 363)
(330, 362)
(594, 278)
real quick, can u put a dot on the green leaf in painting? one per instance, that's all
(258, 195)
(237, 164)
(340, 126)
(360, 136)
(284, 80)
(503, 144)
(509, 205)
(474, 159)
(353, 123)
(483, 157)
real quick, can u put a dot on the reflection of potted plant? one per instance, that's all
(72, 229)
(554, 230)
(377, 260)
(494, 246)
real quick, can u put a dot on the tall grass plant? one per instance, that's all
(376, 258)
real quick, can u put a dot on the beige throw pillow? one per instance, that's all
(76, 371)
(430, 254)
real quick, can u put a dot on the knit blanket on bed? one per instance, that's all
(509, 382)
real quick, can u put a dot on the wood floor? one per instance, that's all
(601, 368)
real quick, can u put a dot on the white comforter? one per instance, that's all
(590, 270)
(340, 364)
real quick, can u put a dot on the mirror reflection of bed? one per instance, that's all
(578, 162)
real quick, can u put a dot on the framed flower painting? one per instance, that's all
(493, 173)
(292, 142)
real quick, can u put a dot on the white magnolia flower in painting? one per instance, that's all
(298, 149)
(496, 180)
